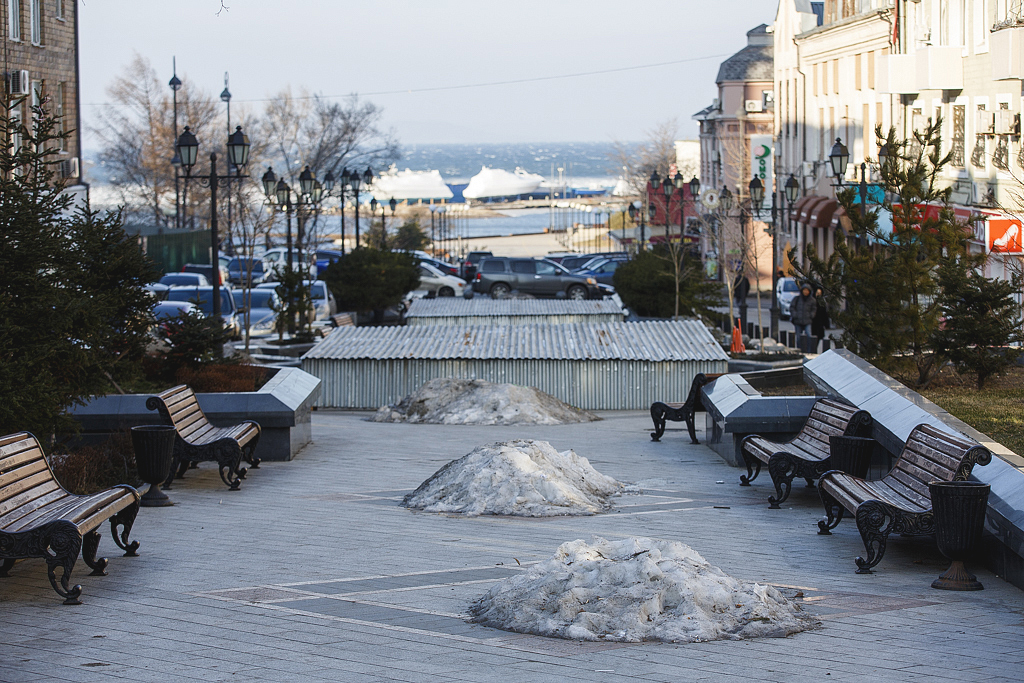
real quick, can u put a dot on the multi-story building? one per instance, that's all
(736, 130)
(843, 67)
(40, 64)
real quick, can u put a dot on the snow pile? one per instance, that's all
(634, 590)
(478, 402)
(524, 477)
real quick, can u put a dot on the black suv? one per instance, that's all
(539, 277)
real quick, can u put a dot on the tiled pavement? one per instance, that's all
(313, 572)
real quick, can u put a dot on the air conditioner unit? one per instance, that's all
(1006, 122)
(985, 122)
(69, 168)
(18, 83)
(807, 169)
(753, 106)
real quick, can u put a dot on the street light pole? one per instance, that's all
(175, 84)
(225, 97)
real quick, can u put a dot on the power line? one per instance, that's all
(486, 84)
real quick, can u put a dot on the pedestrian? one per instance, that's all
(802, 311)
(740, 289)
(820, 323)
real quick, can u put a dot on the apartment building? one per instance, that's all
(40, 65)
(843, 67)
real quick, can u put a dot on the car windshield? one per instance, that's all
(179, 279)
(245, 264)
(789, 286)
(168, 310)
(258, 298)
(202, 299)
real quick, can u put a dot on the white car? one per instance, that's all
(786, 289)
(324, 305)
(274, 259)
(434, 281)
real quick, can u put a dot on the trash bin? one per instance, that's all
(958, 508)
(851, 454)
(154, 448)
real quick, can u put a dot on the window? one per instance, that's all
(978, 159)
(524, 267)
(14, 19)
(959, 135)
(545, 268)
(492, 266)
(59, 12)
(16, 138)
(35, 13)
(58, 110)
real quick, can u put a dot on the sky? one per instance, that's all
(414, 58)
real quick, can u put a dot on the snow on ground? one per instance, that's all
(478, 402)
(523, 477)
(634, 590)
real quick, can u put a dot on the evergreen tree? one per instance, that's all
(648, 283)
(369, 279)
(981, 320)
(73, 314)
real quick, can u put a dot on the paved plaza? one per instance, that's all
(312, 571)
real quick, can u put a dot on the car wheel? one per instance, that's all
(500, 291)
(577, 292)
(446, 291)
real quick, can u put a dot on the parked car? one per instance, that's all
(539, 277)
(601, 269)
(470, 265)
(433, 281)
(446, 268)
(202, 297)
(157, 290)
(263, 306)
(184, 279)
(324, 305)
(206, 271)
(276, 257)
(171, 309)
(246, 269)
(324, 258)
(786, 290)
(578, 261)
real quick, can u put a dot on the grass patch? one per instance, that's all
(997, 410)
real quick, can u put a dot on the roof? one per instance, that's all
(755, 62)
(682, 340)
(450, 307)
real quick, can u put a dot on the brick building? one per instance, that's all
(40, 64)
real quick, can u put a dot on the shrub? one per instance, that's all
(222, 377)
(88, 469)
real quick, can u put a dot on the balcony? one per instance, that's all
(1007, 53)
(940, 68)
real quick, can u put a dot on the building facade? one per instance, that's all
(40, 65)
(843, 68)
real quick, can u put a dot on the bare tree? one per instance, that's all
(638, 161)
(137, 131)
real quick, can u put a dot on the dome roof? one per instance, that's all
(752, 63)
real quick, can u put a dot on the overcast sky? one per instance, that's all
(337, 47)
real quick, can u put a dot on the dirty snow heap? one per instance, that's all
(523, 477)
(478, 402)
(634, 590)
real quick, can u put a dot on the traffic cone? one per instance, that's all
(737, 339)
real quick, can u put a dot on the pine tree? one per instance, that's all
(73, 313)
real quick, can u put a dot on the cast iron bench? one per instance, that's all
(198, 440)
(900, 502)
(808, 454)
(39, 518)
(678, 412)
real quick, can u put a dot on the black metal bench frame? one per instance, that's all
(679, 412)
(900, 502)
(41, 519)
(807, 455)
(197, 440)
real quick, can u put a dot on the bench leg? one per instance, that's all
(833, 514)
(783, 469)
(90, 544)
(753, 469)
(6, 567)
(658, 412)
(62, 543)
(875, 522)
(689, 417)
(248, 454)
(126, 519)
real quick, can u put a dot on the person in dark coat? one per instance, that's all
(802, 311)
(820, 322)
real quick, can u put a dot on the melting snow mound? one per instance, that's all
(478, 402)
(635, 590)
(524, 477)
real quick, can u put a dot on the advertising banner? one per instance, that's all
(762, 163)
(1004, 235)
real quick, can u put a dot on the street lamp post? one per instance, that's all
(175, 85)
(238, 156)
(225, 97)
(792, 190)
(356, 181)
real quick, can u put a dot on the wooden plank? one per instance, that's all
(71, 508)
(14, 509)
(23, 484)
(9, 480)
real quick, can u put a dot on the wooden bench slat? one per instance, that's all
(15, 508)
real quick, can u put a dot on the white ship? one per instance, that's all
(496, 182)
(409, 185)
